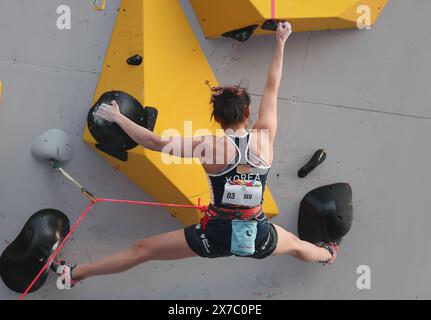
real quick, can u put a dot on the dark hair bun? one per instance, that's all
(229, 104)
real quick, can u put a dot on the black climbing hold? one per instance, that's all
(326, 213)
(317, 159)
(242, 34)
(23, 259)
(150, 117)
(110, 138)
(270, 25)
(116, 153)
(135, 60)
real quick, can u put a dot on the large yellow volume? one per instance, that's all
(218, 17)
(172, 79)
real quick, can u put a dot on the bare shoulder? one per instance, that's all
(261, 146)
(221, 154)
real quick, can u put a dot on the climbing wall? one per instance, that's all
(171, 79)
(361, 95)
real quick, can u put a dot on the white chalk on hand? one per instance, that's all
(99, 120)
(106, 105)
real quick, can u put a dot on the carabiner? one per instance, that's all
(99, 5)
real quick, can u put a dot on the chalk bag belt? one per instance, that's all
(230, 214)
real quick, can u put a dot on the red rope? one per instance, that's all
(146, 203)
(82, 216)
(272, 9)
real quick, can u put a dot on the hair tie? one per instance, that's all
(218, 91)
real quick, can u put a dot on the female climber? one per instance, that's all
(234, 223)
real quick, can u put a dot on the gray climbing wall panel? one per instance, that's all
(361, 95)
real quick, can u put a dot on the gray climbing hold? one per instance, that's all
(53, 144)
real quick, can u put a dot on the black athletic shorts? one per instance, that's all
(215, 240)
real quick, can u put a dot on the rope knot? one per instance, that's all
(203, 209)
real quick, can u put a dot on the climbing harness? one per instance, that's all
(225, 213)
(244, 227)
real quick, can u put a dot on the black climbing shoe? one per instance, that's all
(64, 270)
(333, 249)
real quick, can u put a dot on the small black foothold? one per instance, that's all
(317, 159)
(270, 25)
(242, 34)
(136, 60)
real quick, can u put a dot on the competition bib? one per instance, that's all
(243, 193)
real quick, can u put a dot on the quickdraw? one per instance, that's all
(99, 5)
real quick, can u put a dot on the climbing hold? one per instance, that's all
(317, 159)
(326, 213)
(53, 144)
(242, 34)
(135, 60)
(270, 25)
(110, 137)
(23, 259)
